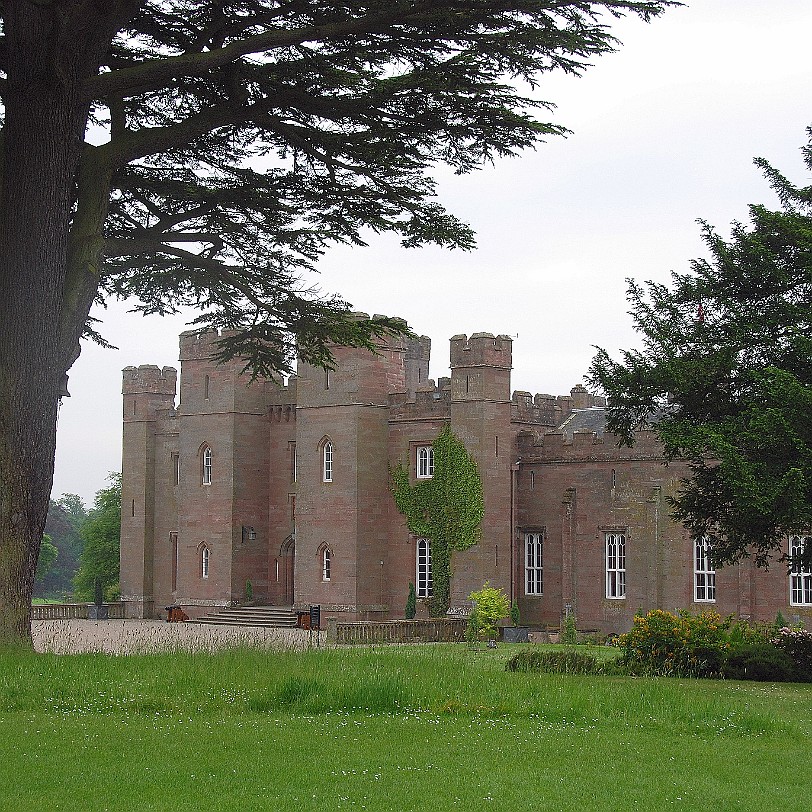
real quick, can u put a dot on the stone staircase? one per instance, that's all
(274, 617)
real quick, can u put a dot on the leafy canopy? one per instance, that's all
(725, 374)
(231, 141)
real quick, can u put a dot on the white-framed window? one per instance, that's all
(206, 477)
(205, 555)
(424, 585)
(326, 561)
(533, 564)
(615, 565)
(800, 577)
(327, 462)
(425, 462)
(704, 572)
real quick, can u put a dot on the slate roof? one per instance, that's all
(593, 419)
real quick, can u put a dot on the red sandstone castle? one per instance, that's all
(286, 487)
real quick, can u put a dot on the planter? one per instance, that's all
(98, 611)
(515, 634)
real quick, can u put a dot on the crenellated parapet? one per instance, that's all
(482, 349)
(281, 393)
(540, 410)
(584, 445)
(430, 401)
(149, 379)
(200, 345)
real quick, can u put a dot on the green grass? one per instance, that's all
(397, 728)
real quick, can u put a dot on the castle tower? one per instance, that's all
(342, 487)
(149, 397)
(222, 522)
(480, 417)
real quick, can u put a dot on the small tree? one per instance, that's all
(48, 554)
(446, 509)
(724, 371)
(102, 537)
(490, 606)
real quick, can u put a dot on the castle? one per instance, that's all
(286, 486)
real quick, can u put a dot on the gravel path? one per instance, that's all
(150, 636)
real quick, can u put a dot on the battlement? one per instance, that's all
(541, 409)
(482, 349)
(429, 401)
(200, 345)
(149, 379)
(279, 393)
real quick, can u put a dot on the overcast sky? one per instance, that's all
(663, 133)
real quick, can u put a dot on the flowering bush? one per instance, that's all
(681, 645)
(797, 643)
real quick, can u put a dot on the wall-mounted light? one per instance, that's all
(248, 533)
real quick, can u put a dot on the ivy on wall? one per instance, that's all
(446, 509)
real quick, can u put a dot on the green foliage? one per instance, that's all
(569, 630)
(568, 661)
(515, 616)
(48, 554)
(490, 606)
(797, 644)
(446, 509)
(249, 591)
(102, 537)
(762, 662)
(65, 518)
(411, 603)
(725, 371)
(660, 642)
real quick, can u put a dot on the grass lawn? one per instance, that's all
(396, 728)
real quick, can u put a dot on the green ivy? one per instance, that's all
(446, 509)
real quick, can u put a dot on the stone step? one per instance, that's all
(265, 616)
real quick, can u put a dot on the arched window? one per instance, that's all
(533, 564)
(800, 575)
(425, 462)
(615, 565)
(204, 561)
(206, 478)
(326, 561)
(424, 585)
(327, 462)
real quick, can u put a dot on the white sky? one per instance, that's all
(664, 133)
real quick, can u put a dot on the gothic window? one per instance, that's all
(206, 477)
(204, 561)
(800, 576)
(615, 565)
(533, 572)
(704, 572)
(327, 462)
(424, 589)
(425, 462)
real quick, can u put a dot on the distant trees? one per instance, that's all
(65, 518)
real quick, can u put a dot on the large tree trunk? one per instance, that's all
(45, 117)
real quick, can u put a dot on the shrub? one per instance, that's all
(411, 603)
(556, 662)
(569, 630)
(797, 644)
(680, 645)
(515, 617)
(760, 661)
